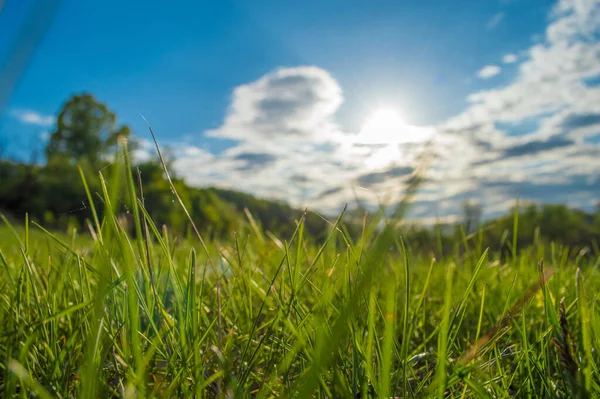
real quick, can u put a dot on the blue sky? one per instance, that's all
(273, 97)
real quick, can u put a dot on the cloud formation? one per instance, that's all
(509, 59)
(292, 104)
(290, 147)
(30, 117)
(553, 96)
(488, 71)
(373, 178)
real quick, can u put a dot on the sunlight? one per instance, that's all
(384, 136)
(384, 126)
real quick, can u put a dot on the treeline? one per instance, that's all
(535, 223)
(54, 195)
(85, 139)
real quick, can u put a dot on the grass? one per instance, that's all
(150, 315)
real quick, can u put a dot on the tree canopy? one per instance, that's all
(85, 129)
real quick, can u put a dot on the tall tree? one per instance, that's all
(85, 129)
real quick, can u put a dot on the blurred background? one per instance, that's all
(468, 106)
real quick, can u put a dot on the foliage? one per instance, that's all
(153, 315)
(85, 129)
(51, 195)
(269, 301)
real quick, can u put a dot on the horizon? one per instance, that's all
(316, 104)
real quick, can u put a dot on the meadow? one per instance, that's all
(106, 313)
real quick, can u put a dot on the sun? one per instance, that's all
(386, 138)
(387, 126)
(384, 126)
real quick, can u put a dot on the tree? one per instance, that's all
(85, 129)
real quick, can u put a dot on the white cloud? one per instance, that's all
(30, 117)
(495, 20)
(553, 75)
(550, 88)
(144, 150)
(289, 146)
(509, 59)
(488, 71)
(287, 104)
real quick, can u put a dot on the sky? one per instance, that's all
(323, 103)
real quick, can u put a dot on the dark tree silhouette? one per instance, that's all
(85, 129)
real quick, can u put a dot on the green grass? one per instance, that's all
(151, 315)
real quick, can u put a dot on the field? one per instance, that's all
(110, 314)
